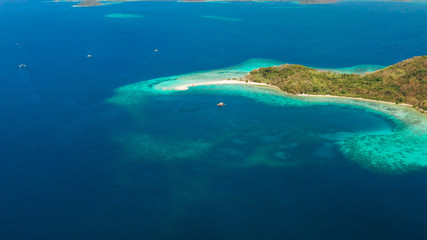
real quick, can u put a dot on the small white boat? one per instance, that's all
(221, 104)
(22, 65)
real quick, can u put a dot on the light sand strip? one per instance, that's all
(226, 82)
(219, 82)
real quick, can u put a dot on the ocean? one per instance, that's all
(93, 147)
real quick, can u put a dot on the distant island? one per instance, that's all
(89, 3)
(92, 3)
(404, 82)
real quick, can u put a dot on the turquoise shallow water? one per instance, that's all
(395, 150)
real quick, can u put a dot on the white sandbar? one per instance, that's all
(219, 82)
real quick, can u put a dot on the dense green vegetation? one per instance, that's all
(404, 82)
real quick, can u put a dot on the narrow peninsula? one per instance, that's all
(404, 82)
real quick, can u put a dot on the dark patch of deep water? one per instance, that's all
(65, 173)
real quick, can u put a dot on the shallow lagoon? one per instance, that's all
(279, 165)
(397, 148)
(77, 165)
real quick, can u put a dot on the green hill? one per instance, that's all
(404, 82)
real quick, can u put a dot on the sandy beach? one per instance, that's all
(219, 82)
(227, 82)
(354, 98)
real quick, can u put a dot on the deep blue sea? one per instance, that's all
(75, 166)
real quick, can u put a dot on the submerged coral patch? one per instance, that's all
(393, 151)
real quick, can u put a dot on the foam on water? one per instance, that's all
(393, 151)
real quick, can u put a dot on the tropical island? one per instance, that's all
(402, 149)
(404, 82)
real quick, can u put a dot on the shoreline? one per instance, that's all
(398, 149)
(185, 87)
